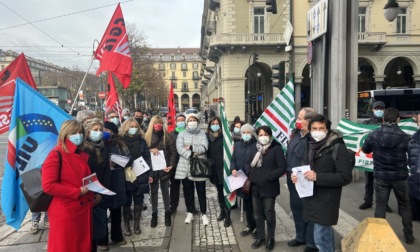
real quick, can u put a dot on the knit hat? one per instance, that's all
(111, 126)
(192, 115)
(125, 111)
(379, 104)
(248, 127)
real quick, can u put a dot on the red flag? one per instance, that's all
(113, 51)
(170, 116)
(112, 101)
(18, 68)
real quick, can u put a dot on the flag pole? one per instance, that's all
(81, 84)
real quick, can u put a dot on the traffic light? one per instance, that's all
(254, 57)
(272, 6)
(279, 79)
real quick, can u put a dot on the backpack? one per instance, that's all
(351, 154)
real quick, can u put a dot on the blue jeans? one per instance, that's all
(304, 229)
(36, 216)
(324, 238)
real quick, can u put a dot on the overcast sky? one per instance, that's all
(166, 23)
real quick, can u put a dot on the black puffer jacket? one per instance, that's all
(169, 150)
(414, 162)
(138, 148)
(215, 153)
(323, 207)
(243, 153)
(265, 179)
(389, 146)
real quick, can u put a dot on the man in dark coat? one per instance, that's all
(378, 109)
(389, 146)
(295, 157)
(329, 177)
(414, 178)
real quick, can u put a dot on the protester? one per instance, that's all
(243, 152)
(133, 137)
(70, 211)
(84, 115)
(98, 163)
(158, 139)
(414, 178)
(112, 116)
(235, 120)
(176, 183)
(125, 114)
(146, 121)
(36, 218)
(114, 144)
(378, 108)
(294, 158)
(236, 132)
(192, 141)
(389, 147)
(329, 175)
(268, 166)
(138, 115)
(215, 153)
(206, 116)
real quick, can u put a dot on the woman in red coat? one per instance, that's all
(70, 211)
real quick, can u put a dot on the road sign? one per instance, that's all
(288, 32)
(316, 19)
(101, 95)
(309, 53)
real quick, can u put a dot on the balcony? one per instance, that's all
(245, 39)
(173, 78)
(184, 89)
(195, 77)
(372, 38)
(184, 68)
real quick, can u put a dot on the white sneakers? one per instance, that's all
(189, 218)
(205, 219)
(34, 227)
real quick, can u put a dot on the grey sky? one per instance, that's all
(166, 23)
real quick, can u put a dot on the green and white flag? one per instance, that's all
(354, 135)
(230, 197)
(280, 115)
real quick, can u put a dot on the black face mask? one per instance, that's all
(139, 120)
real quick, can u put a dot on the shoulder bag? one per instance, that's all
(31, 187)
(246, 188)
(200, 166)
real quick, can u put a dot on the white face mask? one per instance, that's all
(192, 125)
(318, 135)
(264, 139)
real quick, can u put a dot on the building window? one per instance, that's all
(160, 56)
(195, 85)
(161, 66)
(172, 57)
(258, 20)
(195, 75)
(362, 19)
(195, 66)
(173, 76)
(183, 56)
(174, 85)
(183, 66)
(173, 66)
(184, 74)
(185, 85)
(402, 21)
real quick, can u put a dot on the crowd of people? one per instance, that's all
(86, 143)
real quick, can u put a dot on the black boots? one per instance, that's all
(126, 216)
(228, 221)
(168, 219)
(153, 222)
(137, 214)
(222, 214)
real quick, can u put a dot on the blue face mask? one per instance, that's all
(76, 139)
(106, 136)
(180, 124)
(95, 136)
(115, 121)
(215, 128)
(133, 131)
(246, 137)
(236, 130)
(378, 113)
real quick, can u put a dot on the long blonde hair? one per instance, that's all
(70, 127)
(149, 133)
(126, 126)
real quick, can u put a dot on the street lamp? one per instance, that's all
(391, 10)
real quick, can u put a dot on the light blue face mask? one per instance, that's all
(115, 121)
(378, 113)
(133, 131)
(95, 136)
(76, 139)
(180, 124)
(215, 128)
(246, 137)
(236, 130)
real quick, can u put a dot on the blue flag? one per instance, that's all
(33, 132)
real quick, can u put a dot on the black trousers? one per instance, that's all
(200, 186)
(249, 213)
(264, 212)
(369, 187)
(174, 192)
(116, 230)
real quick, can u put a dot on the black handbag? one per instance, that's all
(201, 167)
(31, 187)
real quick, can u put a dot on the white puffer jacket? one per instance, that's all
(199, 142)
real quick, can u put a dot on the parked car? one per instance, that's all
(193, 111)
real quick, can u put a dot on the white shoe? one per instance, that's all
(205, 219)
(34, 227)
(189, 218)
